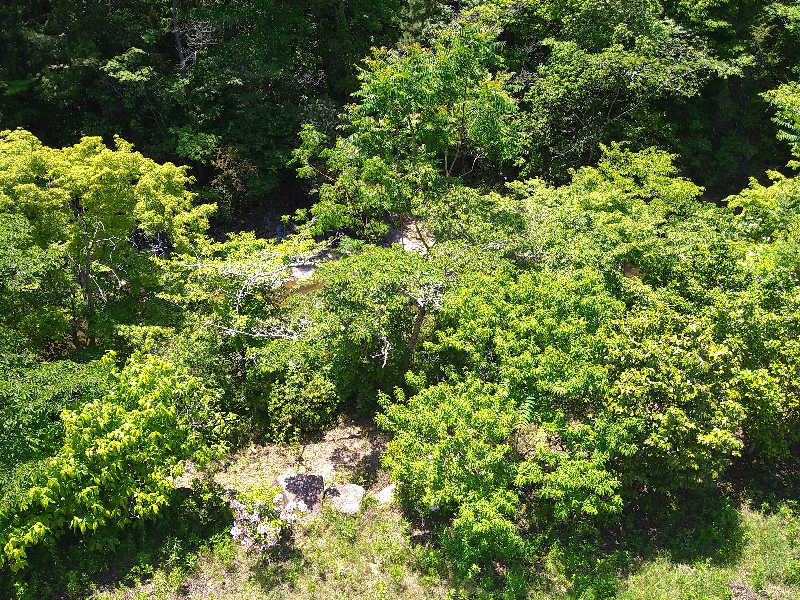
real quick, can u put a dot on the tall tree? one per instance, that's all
(424, 120)
(104, 210)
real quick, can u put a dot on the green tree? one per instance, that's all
(222, 86)
(593, 72)
(425, 120)
(31, 277)
(786, 101)
(103, 211)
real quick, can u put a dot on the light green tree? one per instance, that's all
(103, 211)
(786, 100)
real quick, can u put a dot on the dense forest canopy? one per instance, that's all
(584, 346)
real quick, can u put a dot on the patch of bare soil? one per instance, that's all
(348, 453)
(742, 591)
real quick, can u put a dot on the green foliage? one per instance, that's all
(293, 352)
(759, 39)
(576, 354)
(452, 455)
(90, 211)
(675, 387)
(594, 72)
(32, 397)
(290, 391)
(118, 456)
(465, 458)
(31, 276)
(619, 331)
(425, 118)
(189, 81)
(786, 100)
(358, 334)
(169, 541)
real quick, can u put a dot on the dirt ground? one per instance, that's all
(350, 452)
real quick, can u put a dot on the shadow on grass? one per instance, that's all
(766, 485)
(573, 562)
(273, 570)
(691, 527)
(694, 525)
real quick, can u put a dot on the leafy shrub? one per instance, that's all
(465, 459)
(117, 458)
(452, 456)
(290, 392)
(675, 387)
(32, 397)
(31, 401)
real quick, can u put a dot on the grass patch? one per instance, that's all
(336, 556)
(371, 556)
(768, 567)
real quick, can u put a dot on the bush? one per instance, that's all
(466, 462)
(289, 391)
(452, 456)
(31, 401)
(117, 459)
(257, 525)
(675, 387)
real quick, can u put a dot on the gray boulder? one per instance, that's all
(302, 495)
(345, 498)
(386, 495)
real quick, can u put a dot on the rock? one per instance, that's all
(303, 272)
(386, 495)
(346, 498)
(184, 491)
(742, 591)
(301, 494)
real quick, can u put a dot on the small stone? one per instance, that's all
(386, 495)
(346, 498)
(301, 493)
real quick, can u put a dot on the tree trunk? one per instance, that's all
(75, 340)
(412, 342)
(177, 34)
(86, 284)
